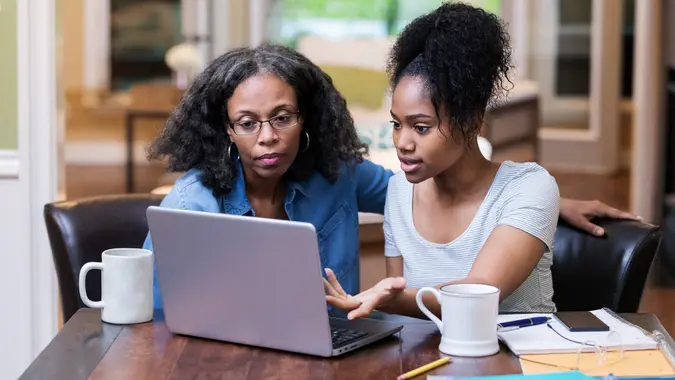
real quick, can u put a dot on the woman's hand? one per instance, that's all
(580, 213)
(379, 296)
(361, 305)
(336, 296)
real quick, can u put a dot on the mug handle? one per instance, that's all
(83, 290)
(420, 304)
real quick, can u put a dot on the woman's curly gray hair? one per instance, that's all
(195, 136)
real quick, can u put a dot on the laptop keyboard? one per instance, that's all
(342, 336)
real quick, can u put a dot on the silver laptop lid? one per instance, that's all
(248, 280)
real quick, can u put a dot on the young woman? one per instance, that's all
(451, 215)
(263, 132)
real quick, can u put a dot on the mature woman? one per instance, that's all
(263, 132)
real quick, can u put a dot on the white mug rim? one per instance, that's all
(137, 253)
(492, 290)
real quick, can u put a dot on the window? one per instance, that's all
(141, 33)
(292, 19)
(574, 48)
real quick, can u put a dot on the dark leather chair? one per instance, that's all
(80, 230)
(611, 271)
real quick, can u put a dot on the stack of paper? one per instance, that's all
(541, 339)
(553, 376)
(631, 364)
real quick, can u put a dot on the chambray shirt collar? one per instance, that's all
(236, 202)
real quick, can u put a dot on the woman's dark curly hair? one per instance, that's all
(195, 135)
(464, 57)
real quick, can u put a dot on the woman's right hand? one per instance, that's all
(336, 296)
(361, 305)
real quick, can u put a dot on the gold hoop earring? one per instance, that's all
(307, 146)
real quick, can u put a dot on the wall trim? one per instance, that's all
(597, 149)
(564, 150)
(9, 164)
(38, 158)
(625, 158)
(96, 50)
(575, 151)
(517, 14)
(647, 178)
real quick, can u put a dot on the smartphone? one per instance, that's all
(580, 321)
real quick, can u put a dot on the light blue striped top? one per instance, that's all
(522, 195)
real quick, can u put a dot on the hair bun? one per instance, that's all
(410, 44)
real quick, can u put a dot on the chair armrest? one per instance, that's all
(591, 272)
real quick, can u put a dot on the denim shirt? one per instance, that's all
(331, 207)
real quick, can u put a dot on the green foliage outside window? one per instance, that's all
(392, 15)
(369, 9)
(342, 9)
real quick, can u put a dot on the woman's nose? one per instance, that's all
(404, 141)
(267, 135)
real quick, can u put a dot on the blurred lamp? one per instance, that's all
(185, 61)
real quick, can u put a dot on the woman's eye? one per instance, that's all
(421, 129)
(246, 124)
(282, 118)
(395, 124)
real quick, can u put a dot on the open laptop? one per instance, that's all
(252, 281)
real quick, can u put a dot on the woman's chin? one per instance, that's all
(276, 170)
(415, 177)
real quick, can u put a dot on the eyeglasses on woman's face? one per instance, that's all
(247, 126)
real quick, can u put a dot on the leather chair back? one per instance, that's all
(80, 230)
(593, 272)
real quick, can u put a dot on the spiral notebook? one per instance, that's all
(541, 339)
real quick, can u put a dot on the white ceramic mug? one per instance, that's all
(126, 285)
(469, 312)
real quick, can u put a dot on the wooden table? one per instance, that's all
(86, 348)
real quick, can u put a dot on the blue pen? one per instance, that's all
(513, 325)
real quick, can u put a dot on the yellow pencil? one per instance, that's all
(424, 368)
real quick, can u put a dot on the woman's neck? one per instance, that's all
(264, 190)
(266, 195)
(469, 177)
